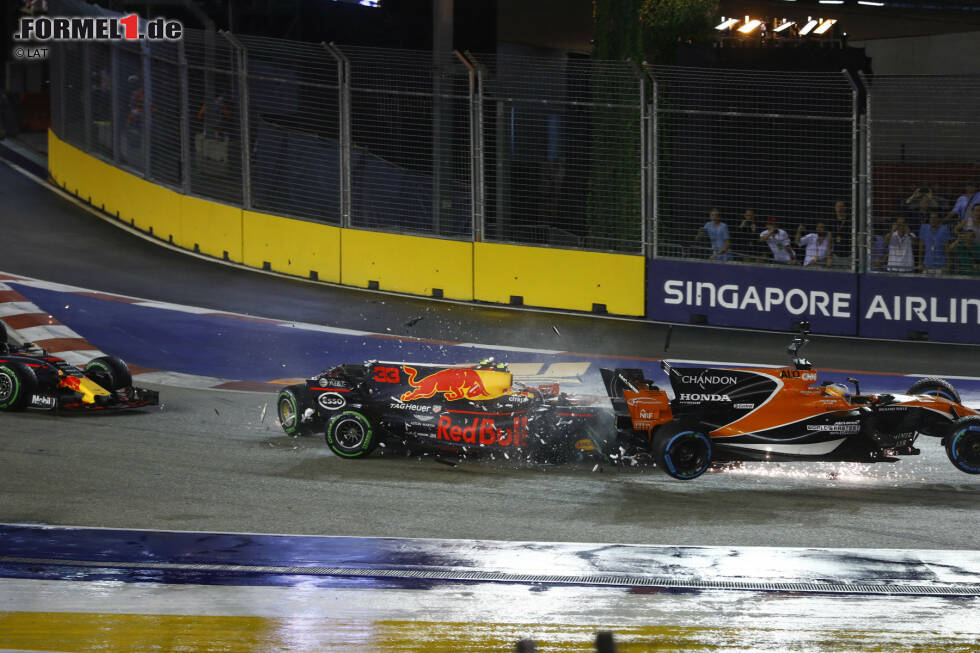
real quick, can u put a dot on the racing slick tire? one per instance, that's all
(682, 452)
(350, 435)
(17, 384)
(291, 404)
(963, 444)
(934, 386)
(110, 372)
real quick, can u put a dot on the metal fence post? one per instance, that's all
(855, 154)
(185, 127)
(147, 103)
(86, 84)
(644, 181)
(654, 152)
(343, 97)
(476, 149)
(868, 170)
(241, 65)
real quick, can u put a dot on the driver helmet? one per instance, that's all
(485, 364)
(838, 390)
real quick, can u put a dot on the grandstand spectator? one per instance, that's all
(718, 235)
(901, 257)
(971, 222)
(965, 203)
(964, 254)
(841, 227)
(778, 241)
(922, 199)
(933, 238)
(818, 244)
(747, 241)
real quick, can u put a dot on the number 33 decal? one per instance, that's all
(387, 375)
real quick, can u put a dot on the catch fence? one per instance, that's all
(558, 151)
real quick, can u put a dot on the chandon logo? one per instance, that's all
(704, 397)
(709, 379)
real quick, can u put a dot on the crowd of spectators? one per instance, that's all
(928, 235)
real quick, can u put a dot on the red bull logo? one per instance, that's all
(484, 431)
(454, 383)
(72, 382)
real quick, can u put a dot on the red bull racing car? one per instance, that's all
(458, 410)
(30, 378)
(721, 414)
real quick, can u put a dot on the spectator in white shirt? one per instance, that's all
(778, 241)
(818, 244)
(901, 254)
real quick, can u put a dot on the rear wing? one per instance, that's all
(638, 404)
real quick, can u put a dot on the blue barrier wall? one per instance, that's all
(840, 303)
(947, 310)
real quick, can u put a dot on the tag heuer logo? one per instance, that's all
(331, 401)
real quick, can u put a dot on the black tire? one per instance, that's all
(110, 372)
(17, 384)
(933, 386)
(350, 435)
(963, 444)
(291, 404)
(682, 452)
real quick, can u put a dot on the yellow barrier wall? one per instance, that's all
(550, 278)
(211, 228)
(559, 278)
(291, 246)
(410, 264)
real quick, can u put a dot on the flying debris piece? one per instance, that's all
(556, 331)
(451, 463)
(597, 468)
(262, 416)
(413, 321)
(216, 412)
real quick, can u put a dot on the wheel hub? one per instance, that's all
(6, 386)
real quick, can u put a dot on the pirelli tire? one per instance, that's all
(682, 451)
(291, 405)
(963, 444)
(937, 387)
(110, 372)
(17, 385)
(350, 434)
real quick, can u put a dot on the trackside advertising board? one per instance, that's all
(840, 303)
(947, 310)
(752, 296)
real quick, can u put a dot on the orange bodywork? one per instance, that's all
(797, 397)
(648, 408)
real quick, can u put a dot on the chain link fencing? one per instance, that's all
(562, 164)
(560, 151)
(771, 154)
(924, 161)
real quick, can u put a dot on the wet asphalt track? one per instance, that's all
(211, 461)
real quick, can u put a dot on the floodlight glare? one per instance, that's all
(831, 2)
(749, 26)
(824, 26)
(868, 3)
(726, 23)
(808, 27)
(785, 25)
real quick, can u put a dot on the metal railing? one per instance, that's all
(560, 151)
